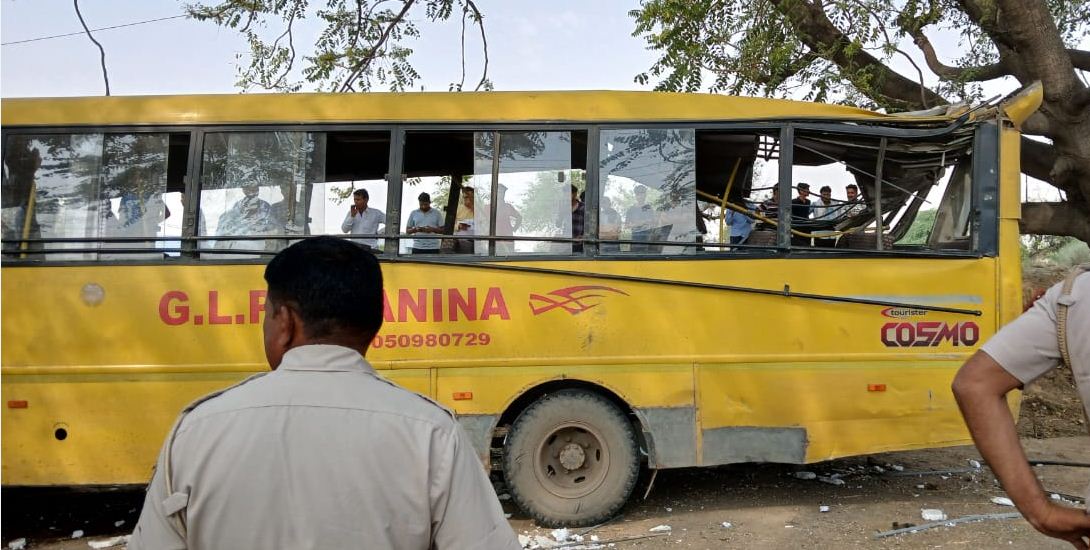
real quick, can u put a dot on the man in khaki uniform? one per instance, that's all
(321, 452)
(1017, 355)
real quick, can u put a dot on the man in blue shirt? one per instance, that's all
(741, 225)
(425, 220)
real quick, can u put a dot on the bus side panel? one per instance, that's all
(854, 379)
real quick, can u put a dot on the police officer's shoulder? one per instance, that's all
(423, 402)
(204, 403)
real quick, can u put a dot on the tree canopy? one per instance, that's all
(871, 53)
(849, 50)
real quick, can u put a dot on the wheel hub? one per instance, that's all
(572, 460)
(572, 457)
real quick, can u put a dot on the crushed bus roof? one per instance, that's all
(437, 107)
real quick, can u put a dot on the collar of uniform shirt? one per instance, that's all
(324, 357)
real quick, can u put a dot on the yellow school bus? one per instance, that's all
(620, 280)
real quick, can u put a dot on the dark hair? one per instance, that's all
(333, 284)
(361, 192)
(825, 188)
(851, 186)
(803, 185)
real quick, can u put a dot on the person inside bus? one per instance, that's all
(289, 213)
(800, 212)
(854, 205)
(464, 223)
(769, 208)
(741, 225)
(639, 219)
(425, 220)
(250, 215)
(362, 220)
(508, 220)
(320, 452)
(609, 226)
(825, 209)
(578, 213)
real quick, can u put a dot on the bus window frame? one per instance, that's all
(985, 190)
(37, 258)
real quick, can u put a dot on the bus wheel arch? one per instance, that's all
(571, 452)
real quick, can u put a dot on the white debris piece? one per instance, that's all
(504, 496)
(823, 509)
(974, 463)
(77, 534)
(806, 475)
(594, 538)
(897, 467)
(921, 486)
(660, 529)
(507, 516)
(879, 469)
(17, 544)
(932, 514)
(525, 541)
(544, 542)
(727, 525)
(831, 480)
(109, 543)
(1002, 501)
(561, 535)
(669, 509)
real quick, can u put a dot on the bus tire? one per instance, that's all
(571, 459)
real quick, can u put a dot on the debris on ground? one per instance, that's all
(806, 475)
(950, 523)
(727, 525)
(831, 480)
(109, 543)
(823, 509)
(77, 534)
(932, 514)
(17, 544)
(561, 535)
(1002, 501)
(974, 463)
(660, 529)
(119, 523)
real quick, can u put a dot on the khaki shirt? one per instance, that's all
(321, 453)
(1028, 348)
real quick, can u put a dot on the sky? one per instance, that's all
(560, 44)
(532, 45)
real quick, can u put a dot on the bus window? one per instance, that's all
(112, 187)
(534, 192)
(280, 184)
(912, 184)
(648, 180)
(735, 175)
(535, 175)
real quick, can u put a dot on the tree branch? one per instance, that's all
(101, 51)
(868, 74)
(479, 19)
(1055, 218)
(1038, 158)
(373, 54)
(1080, 59)
(961, 74)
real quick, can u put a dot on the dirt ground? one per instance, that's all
(767, 506)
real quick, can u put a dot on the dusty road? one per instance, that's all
(766, 505)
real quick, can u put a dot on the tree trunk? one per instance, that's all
(1055, 218)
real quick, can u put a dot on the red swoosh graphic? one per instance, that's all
(573, 299)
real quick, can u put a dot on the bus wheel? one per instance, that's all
(571, 459)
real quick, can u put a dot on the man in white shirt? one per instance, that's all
(425, 220)
(321, 452)
(362, 220)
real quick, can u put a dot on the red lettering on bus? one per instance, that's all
(179, 314)
(466, 305)
(214, 318)
(437, 304)
(494, 305)
(406, 303)
(257, 305)
(387, 311)
(929, 333)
